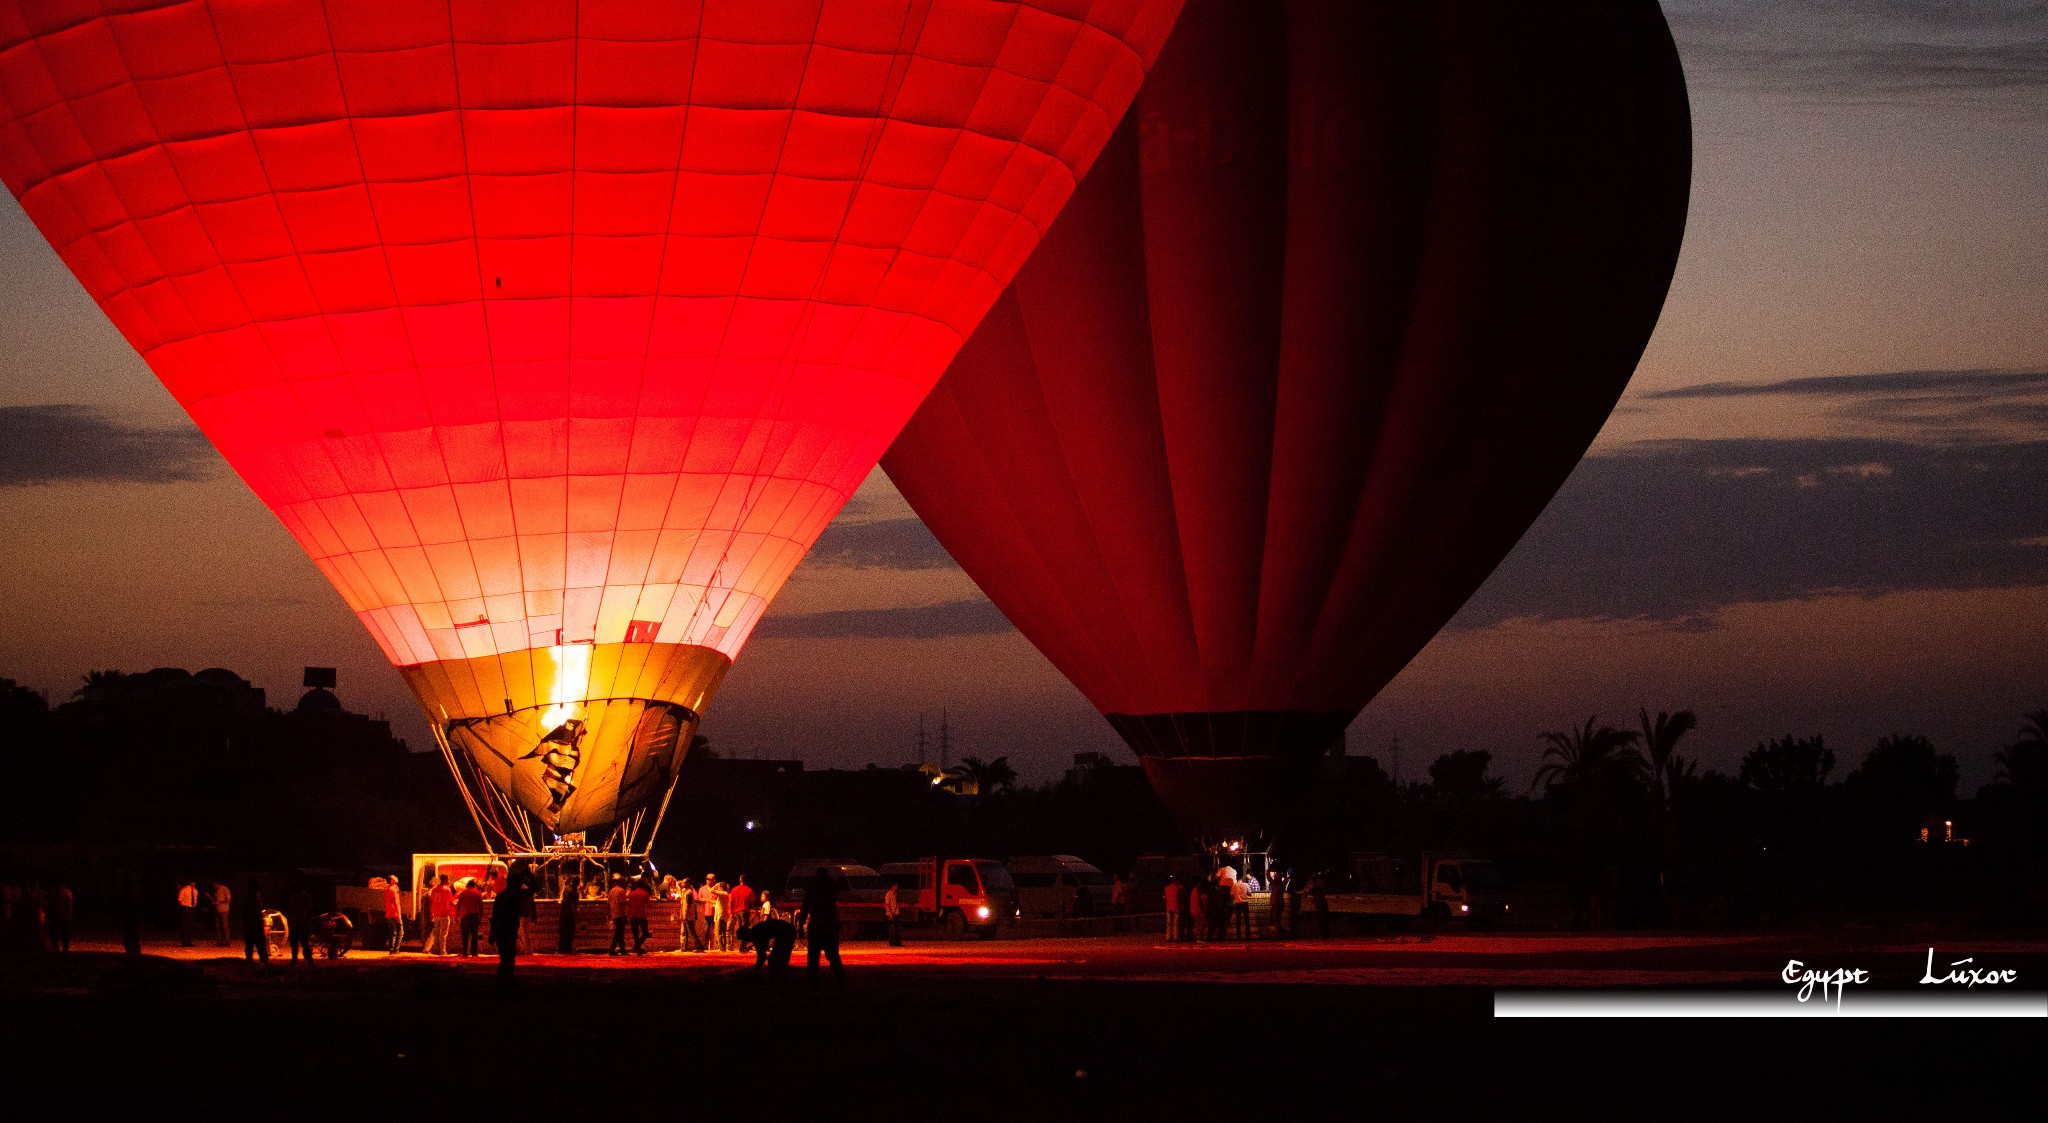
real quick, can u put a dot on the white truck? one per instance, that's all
(1451, 886)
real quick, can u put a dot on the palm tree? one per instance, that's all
(1593, 763)
(1590, 758)
(1660, 738)
(2024, 763)
(94, 684)
(990, 776)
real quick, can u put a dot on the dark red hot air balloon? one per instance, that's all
(556, 330)
(1330, 322)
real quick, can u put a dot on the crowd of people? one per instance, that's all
(36, 917)
(1219, 906)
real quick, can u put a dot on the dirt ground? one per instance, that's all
(1111, 1028)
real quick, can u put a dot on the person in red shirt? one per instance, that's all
(441, 910)
(394, 915)
(636, 915)
(469, 910)
(740, 904)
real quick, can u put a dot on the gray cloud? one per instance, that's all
(1867, 48)
(47, 444)
(1672, 531)
(951, 618)
(1927, 406)
(884, 544)
(1973, 384)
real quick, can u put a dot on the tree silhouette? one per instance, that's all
(1462, 775)
(1660, 739)
(1594, 768)
(989, 776)
(1899, 784)
(97, 683)
(1594, 757)
(1788, 766)
(2024, 763)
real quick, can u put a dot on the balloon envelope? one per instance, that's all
(556, 331)
(1348, 296)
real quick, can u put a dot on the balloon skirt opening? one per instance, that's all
(1230, 775)
(580, 735)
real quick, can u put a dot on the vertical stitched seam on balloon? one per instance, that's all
(397, 306)
(185, 190)
(654, 310)
(792, 349)
(747, 504)
(490, 358)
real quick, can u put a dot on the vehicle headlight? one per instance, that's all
(982, 912)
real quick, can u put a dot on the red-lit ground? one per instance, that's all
(1119, 1027)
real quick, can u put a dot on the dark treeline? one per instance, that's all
(168, 774)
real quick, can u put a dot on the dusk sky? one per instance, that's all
(1822, 506)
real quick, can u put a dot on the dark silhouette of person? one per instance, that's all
(821, 927)
(61, 906)
(565, 920)
(255, 941)
(1319, 899)
(510, 905)
(298, 920)
(773, 941)
(129, 916)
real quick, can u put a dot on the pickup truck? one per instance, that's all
(958, 894)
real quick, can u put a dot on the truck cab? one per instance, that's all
(960, 894)
(1467, 889)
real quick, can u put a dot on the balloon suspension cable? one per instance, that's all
(486, 813)
(661, 812)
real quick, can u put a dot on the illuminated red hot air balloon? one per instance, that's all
(556, 331)
(1332, 319)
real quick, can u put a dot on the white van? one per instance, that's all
(1047, 885)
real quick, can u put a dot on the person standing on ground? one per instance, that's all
(821, 928)
(707, 909)
(1172, 906)
(129, 917)
(637, 899)
(1279, 885)
(889, 909)
(222, 902)
(61, 904)
(255, 941)
(441, 910)
(740, 902)
(508, 912)
(298, 922)
(1198, 909)
(394, 916)
(469, 915)
(1319, 899)
(565, 919)
(721, 914)
(615, 903)
(1241, 907)
(188, 912)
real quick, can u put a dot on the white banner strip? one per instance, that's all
(1678, 1004)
